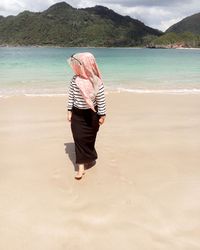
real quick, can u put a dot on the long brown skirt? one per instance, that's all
(84, 126)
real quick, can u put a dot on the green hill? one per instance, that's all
(184, 34)
(176, 40)
(63, 25)
(188, 24)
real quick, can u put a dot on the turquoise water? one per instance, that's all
(27, 70)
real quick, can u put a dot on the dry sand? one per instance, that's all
(143, 193)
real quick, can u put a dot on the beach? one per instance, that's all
(143, 193)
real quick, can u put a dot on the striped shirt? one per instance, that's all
(76, 99)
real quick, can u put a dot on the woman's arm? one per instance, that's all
(101, 104)
(102, 119)
(70, 99)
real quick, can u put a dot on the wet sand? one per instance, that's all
(143, 193)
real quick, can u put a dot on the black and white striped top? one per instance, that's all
(76, 99)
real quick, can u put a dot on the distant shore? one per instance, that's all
(170, 46)
(58, 46)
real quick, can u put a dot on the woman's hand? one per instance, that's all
(69, 116)
(101, 120)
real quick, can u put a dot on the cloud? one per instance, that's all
(148, 3)
(155, 17)
(154, 13)
(158, 14)
(9, 7)
(13, 7)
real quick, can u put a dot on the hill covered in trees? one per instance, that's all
(188, 24)
(185, 33)
(63, 25)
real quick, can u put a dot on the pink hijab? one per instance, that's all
(88, 76)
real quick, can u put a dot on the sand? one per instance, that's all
(143, 193)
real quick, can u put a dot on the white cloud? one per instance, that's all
(13, 7)
(165, 24)
(10, 7)
(155, 17)
(158, 14)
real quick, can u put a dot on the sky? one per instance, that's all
(159, 14)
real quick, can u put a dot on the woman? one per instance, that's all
(86, 108)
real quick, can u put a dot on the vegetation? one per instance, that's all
(63, 25)
(173, 40)
(185, 33)
(188, 24)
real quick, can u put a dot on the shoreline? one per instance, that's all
(93, 47)
(178, 91)
(73, 47)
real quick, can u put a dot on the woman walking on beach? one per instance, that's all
(86, 108)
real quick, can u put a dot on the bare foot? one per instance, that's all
(79, 175)
(81, 171)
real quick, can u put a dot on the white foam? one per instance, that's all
(44, 95)
(107, 91)
(160, 91)
(7, 95)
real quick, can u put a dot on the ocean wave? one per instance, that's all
(160, 91)
(18, 94)
(107, 91)
(44, 95)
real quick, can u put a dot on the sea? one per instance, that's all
(44, 71)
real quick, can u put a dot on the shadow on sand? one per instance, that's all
(70, 151)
